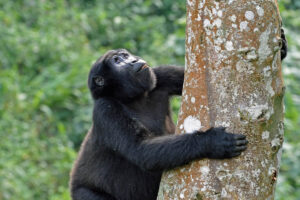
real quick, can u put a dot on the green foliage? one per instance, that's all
(46, 50)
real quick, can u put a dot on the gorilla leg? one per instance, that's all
(87, 194)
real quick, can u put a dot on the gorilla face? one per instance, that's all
(121, 75)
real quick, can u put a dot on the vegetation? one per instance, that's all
(46, 50)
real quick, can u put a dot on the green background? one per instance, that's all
(46, 50)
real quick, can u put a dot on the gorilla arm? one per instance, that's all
(125, 135)
(169, 78)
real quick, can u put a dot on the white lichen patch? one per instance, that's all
(217, 23)
(233, 18)
(191, 124)
(191, 3)
(214, 11)
(201, 4)
(193, 99)
(256, 173)
(229, 46)
(269, 88)
(267, 71)
(271, 170)
(257, 111)
(243, 25)
(185, 97)
(263, 164)
(222, 123)
(281, 128)
(245, 67)
(223, 193)
(275, 142)
(251, 55)
(198, 18)
(170, 175)
(181, 195)
(206, 23)
(249, 15)
(257, 191)
(204, 170)
(181, 126)
(220, 13)
(190, 35)
(217, 49)
(265, 135)
(260, 11)
(264, 50)
(275, 66)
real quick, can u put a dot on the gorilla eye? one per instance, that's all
(99, 80)
(117, 60)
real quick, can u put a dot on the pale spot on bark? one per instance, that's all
(275, 142)
(229, 46)
(260, 11)
(191, 124)
(220, 13)
(233, 18)
(249, 15)
(264, 50)
(206, 23)
(243, 25)
(204, 170)
(265, 135)
(193, 100)
(218, 23)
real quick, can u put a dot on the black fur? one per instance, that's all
(284, 46)
(131, 141)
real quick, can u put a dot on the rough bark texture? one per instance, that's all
(233, 79)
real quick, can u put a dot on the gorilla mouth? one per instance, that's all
(145, 66)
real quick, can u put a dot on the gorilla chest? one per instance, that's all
(153, 112)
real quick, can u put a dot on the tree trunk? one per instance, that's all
(232, 79)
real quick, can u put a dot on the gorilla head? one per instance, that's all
(121, 75)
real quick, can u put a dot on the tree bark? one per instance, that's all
(232, 79)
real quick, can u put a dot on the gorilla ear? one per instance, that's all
(99, 81)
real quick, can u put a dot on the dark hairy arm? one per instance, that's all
(170, 78)
(122, 134)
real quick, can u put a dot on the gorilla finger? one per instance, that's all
(241, 142)
(235, 154)
(220, 129)
(239, 137)
(223, 128)
(240, 148)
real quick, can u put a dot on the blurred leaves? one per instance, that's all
(46, 50)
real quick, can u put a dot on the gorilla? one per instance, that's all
(131, 141)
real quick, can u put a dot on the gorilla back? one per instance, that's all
(131, 141)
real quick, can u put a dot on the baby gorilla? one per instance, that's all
(131, 141)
